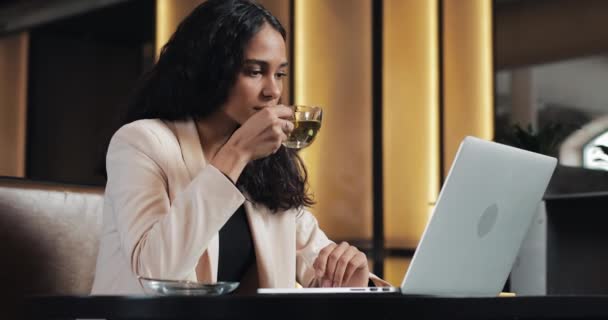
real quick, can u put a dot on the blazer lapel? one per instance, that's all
(262, 245)
(189, 142)
(194, 158)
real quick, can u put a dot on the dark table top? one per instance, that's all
(335, 306)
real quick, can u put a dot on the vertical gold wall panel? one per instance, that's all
(468, 73)
(169, 13)
(332, 56)
(411, 120)
(13, 103)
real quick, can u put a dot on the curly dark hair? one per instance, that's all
(192, 79)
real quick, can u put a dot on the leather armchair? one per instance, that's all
(59, 226)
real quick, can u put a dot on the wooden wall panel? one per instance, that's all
(332, 57)
(411, 122)
(13, 103)
(468, 84)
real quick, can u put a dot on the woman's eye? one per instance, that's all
(281, 75)
(254, 73)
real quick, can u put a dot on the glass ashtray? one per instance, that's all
(160, 287)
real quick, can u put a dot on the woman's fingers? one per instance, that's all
(321, 260)
(264, 132)
(287, 127)
(341, 265)
(327, 261)
(279, 125)
(283, 112)
(284, 116)
(332, 262)
(358, 261)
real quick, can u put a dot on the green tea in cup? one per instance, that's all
(307, 122)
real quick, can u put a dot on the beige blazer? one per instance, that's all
(164, 207)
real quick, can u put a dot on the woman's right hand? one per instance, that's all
(260, 136)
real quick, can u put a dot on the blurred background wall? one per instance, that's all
(401, 83)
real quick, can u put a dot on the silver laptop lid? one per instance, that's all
(481, 217)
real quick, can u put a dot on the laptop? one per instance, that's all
(483, 212)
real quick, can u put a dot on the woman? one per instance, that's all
(199, 187)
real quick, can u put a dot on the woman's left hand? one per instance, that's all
(341, 266)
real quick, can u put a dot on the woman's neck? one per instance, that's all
(213, 132)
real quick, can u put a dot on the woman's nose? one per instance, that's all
(272, 89)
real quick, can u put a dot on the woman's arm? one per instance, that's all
(161, 238)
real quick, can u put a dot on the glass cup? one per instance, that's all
(307, 123)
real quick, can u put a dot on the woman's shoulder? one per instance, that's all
(155, 126)
(153, 137)
(144, 130)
